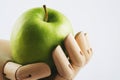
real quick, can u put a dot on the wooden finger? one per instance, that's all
(63, 66)
(3, 61)
(33, 71)
(10, 70)
(76, 55)
(83, 44)
(90, 48)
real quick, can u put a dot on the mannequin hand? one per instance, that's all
(79, 53)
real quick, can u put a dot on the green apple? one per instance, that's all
(36, 33)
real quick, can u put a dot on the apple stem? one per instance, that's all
(46, 13)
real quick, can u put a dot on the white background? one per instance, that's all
(99, 18)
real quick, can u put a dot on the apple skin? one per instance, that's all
(33, 39)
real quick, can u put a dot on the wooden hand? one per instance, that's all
(79, 53)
